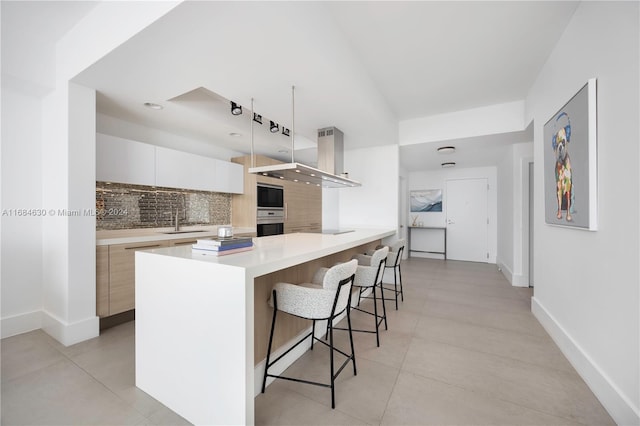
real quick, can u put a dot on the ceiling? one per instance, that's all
(360, 66)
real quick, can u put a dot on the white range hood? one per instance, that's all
(329, 174)
(305, 175)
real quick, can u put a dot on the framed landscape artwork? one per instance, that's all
(570, 162)
(428, 200)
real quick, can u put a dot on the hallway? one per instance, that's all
(462, 349)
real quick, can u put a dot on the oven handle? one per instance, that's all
(269, 221)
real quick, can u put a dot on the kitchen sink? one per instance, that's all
(185, 232)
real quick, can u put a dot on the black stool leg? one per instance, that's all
(375, 315)
(384, 308)
(273, 325)
(395, 286)
(313, 332)
(353, 352)
(333, 379)
(400, 276)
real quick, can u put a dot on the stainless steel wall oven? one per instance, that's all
(270, 213)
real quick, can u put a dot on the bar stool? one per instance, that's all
(369, 276)
(393, 262)
(326, 297)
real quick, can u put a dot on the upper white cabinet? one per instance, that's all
(230, 177)
(176, 169)
(126, 161)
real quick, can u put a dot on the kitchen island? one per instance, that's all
(202, 321)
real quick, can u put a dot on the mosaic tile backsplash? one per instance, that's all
(122, 206)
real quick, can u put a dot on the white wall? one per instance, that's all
(21, 234)
(487, 120)
(587, 283)
(504, 256)
(48, 143)
(513, 235)
(437, 180)
(375, 203)
(126, 130)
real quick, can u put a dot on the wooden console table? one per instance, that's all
(444, 230)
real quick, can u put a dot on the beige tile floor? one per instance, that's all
(463, 349)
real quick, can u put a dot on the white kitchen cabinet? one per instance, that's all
(229, 177)
(177, 169)
(124, 161)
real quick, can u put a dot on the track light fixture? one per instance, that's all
(274, 127)
(235, 108)
(285, 131)
(257, 118)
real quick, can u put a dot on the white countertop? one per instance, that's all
(281, 251)
(142, 235)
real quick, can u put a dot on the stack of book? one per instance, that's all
(223, 246)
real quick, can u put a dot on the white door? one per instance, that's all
(467, 220)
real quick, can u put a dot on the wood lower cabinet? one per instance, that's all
(182, 242)
(115, 274)
(102, 281)
(303, 208)
(122, 274)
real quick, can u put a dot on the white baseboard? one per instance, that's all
(506, 271)
(622, 409)
(69, 334)
(516, 280)
(19, 324)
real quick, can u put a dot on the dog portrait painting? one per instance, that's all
(570, 162)
(564, 183)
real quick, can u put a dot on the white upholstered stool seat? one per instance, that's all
(369, 276)
(326, 297)
(393, 262)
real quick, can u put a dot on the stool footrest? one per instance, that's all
(309, 382)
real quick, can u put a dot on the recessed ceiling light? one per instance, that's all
(448, 164)
(153, 105)
(235, 135)
(446, 150)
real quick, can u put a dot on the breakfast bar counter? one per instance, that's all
(202, 321)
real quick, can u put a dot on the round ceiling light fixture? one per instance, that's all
(446, 150)
(153, 105)
(448, 164)
(235, 135)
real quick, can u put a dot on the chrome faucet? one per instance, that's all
(177, 221)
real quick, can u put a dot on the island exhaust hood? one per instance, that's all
(329, 174)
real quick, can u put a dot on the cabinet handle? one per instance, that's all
(141, 247)
(185, 243)
(285, 210)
